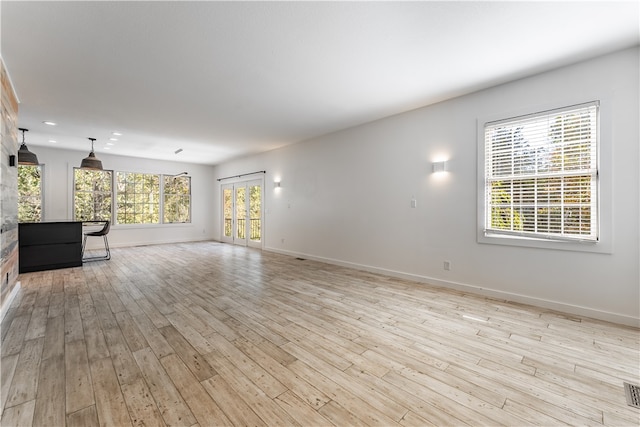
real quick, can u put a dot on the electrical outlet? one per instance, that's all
(447, 265)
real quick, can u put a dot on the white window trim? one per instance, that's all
(605, 189)
(115, 203)
(114, 223)
(73, 193)
(162, 205)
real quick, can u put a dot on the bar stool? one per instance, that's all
(102, 232)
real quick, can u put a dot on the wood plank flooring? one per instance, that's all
(207, 334)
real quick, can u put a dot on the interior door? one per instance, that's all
(242, 213)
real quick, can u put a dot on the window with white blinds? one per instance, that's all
(541, 175)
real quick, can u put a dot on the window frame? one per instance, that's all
(73, 195)
(114, 193)
(164, 196)
(117, 193)
(603, 183)
(42, 190)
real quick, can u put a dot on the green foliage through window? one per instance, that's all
(92, 194)
(29, 193)
(177, 199)
(228, 211)
(255, 212)
(138, 198)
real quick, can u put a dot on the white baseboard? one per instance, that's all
(478, 290)
(7, 303)
(100, 245)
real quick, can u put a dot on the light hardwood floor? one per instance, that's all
(210, 334)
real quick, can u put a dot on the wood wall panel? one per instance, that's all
(8, 189)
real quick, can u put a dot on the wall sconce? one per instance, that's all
(439, 166)
(276, 184)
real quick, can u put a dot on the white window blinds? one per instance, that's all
(541, 174)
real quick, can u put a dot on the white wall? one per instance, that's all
(345, 197)
(58, 196)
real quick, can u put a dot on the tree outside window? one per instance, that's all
(93, 194)
(177, 199)
(29, 193)
(255, 212)
(138, 198)
(541, 175)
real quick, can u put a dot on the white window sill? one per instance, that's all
(543, 243)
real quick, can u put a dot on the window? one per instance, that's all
(177, 199)
(92, 195)
(137, 195)
(29, 193)
(138, 198)
(541, 175)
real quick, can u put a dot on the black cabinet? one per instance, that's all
(50, 245)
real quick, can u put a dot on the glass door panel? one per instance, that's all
(241, 215)
(227, 213)
(255, 212)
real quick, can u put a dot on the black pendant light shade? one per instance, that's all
(26, 157)
(91, 161)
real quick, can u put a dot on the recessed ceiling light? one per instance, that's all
(116, 133)
(53, 141)
(110, 143)
(107, 148)
(113, 139)
(50, 123)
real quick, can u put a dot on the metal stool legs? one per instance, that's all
(103, 233)
(105, 257)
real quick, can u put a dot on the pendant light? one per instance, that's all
(26, 157)
(91, 161)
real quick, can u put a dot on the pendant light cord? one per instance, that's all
(23, 131)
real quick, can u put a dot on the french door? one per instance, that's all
(242, 213)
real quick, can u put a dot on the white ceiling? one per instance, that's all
(227, 79)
